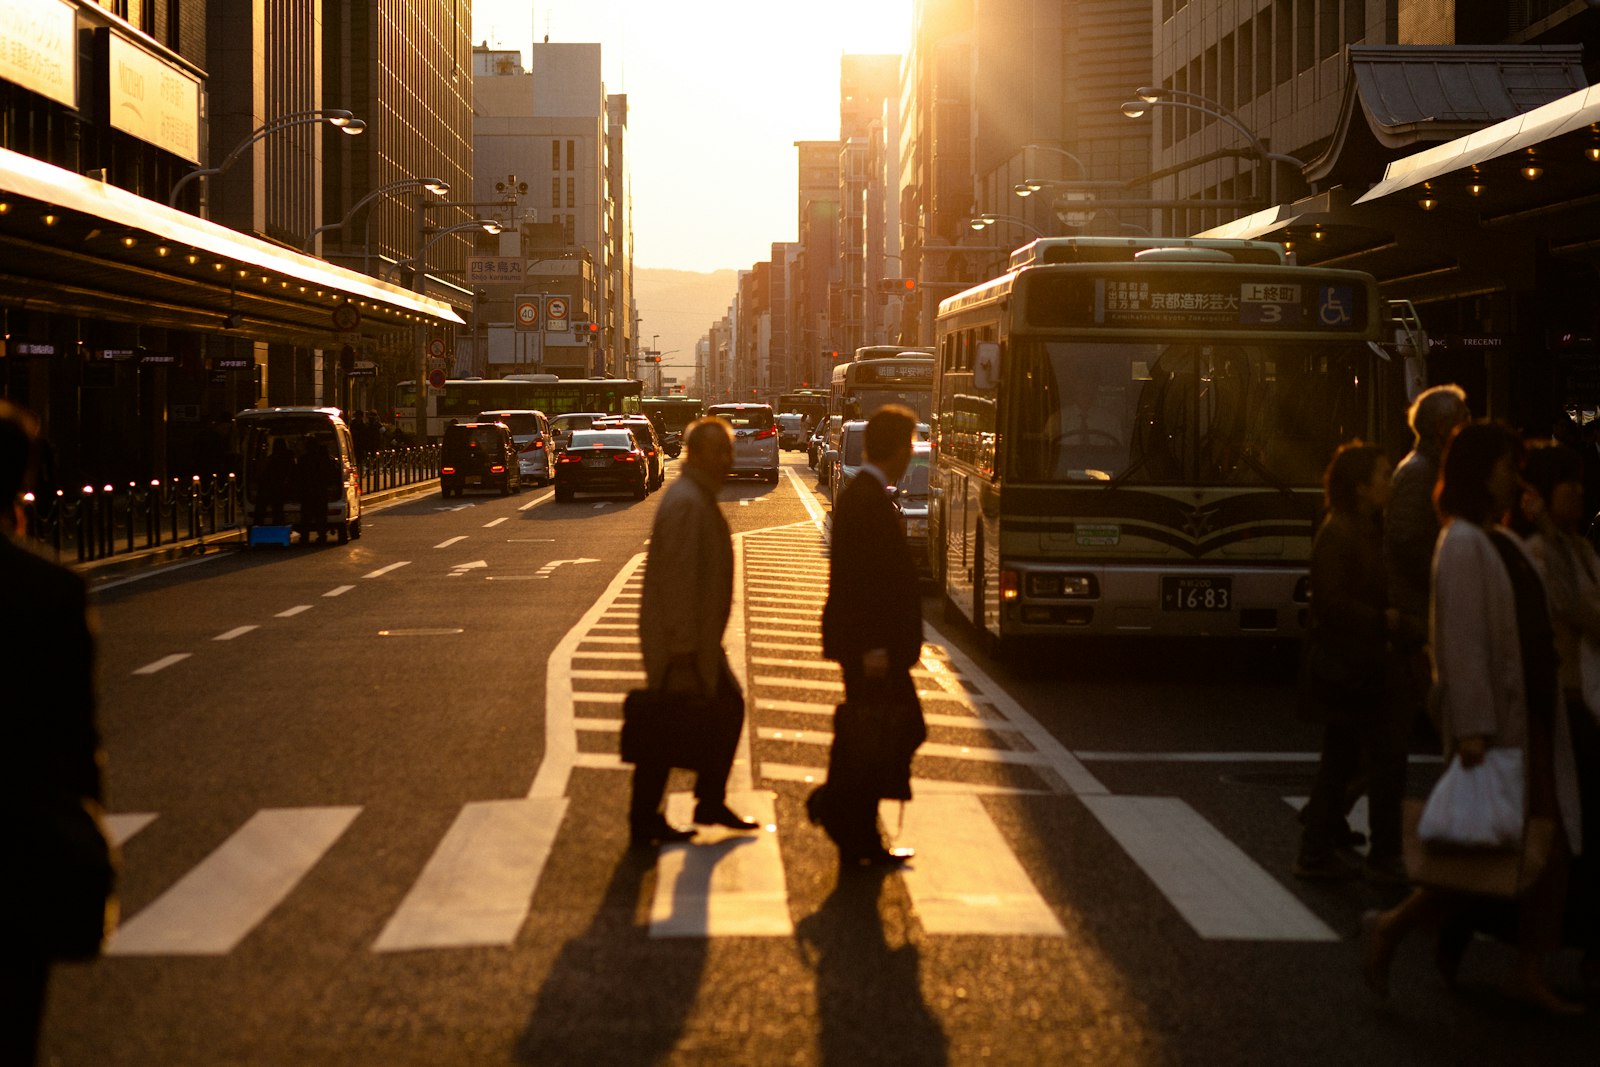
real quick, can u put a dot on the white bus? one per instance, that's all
(1129, 435)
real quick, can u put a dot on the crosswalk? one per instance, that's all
(476, 888)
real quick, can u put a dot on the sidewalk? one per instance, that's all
(98, 570)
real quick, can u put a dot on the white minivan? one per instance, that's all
(276, 449)
(755, 438)
(530, 431)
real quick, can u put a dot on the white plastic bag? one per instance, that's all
(1477, 807)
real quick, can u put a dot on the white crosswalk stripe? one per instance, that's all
(216, 905)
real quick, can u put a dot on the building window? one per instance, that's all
(572, 192)
(1328, 38)
(1264, 51)
(572, 155)
(571, 230)
(555, 192)
(1283, 27)
(555, 155)
(1305, 36)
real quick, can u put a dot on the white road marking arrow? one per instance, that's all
(548, 568)
(463, 568)
(456, 507)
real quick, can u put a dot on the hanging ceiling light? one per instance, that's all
(1427, 201)
(1475, 182)
(1531, 169)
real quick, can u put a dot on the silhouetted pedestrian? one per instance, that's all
(53, 900)
(275, 480)
(316, 473)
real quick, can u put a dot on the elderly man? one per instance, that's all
(688, 594)
(1411, 525)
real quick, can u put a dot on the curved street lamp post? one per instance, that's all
(345, 121)
(431, 185)
(1148, 97)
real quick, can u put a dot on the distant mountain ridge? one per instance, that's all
(680, 305)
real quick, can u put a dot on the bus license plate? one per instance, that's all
(1193, 593)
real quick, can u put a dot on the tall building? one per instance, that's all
(869, 105)
(812, 332)
(153, 199)
(553, 128)
(782, 358)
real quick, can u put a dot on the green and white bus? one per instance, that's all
(1129, 434)
(463, 398)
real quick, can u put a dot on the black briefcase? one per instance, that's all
(662, 726)
(873, 745)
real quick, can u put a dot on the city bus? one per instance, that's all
(463, 398)
(1130, 438)
(671, 414)
(862, 386)
(812, 403)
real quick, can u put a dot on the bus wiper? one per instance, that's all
(1129, 471)
(1264, 472)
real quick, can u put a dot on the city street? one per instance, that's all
(372, 813)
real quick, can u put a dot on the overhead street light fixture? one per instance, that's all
(1149, 98)
(436, 186)
(345, 121)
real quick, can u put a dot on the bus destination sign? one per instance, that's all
(878, 373)
(1192, 301)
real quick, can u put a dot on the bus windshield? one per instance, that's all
(1181, 414)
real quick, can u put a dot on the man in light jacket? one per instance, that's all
(688, 595)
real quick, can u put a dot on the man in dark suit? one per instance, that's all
(872, 626)
(52, 750)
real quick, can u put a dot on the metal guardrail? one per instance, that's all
(104, 520)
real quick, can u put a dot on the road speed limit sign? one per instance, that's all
(527, 312)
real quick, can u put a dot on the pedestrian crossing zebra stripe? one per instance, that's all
(216, 905)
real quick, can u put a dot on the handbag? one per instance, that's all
(1589, 672)
(67, 879)
(1501, 873)
(873, 744)
(1477, 807)
(665, 726)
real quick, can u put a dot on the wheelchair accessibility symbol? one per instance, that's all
(1335, 305)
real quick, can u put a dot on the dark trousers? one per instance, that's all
(1361, 734)
(23, 976)
(711, 777)
(852, 807)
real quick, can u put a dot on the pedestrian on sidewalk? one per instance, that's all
(1410, 528)
(61, 877)
(872, 627)
(688, 596)
(1571, 571)
(1351, 627)
(1496, 684)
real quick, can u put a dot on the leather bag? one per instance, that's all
(666, 726)
(873, 743)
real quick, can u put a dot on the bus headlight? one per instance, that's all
(1049, 585)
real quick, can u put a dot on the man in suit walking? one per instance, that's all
(688, 595)
(872, 626)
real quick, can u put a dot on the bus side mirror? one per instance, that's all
(986, 368)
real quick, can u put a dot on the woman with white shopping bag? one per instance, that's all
(1571, 572)
(1495, 683)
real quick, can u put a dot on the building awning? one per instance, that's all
(1572, 112)
(74, 245)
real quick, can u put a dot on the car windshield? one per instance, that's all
(914, 482)
(521, 423)
(1181, 414)
(850, 451)
(601, 439)
(745, 418)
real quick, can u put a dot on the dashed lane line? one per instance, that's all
(237, 631)
(289, 613)
(381, 571)
(339, 590)
(447, 542)
(163, 663)
(495, 522)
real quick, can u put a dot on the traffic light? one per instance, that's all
(830, 353)
(897, 286)
(650, 359)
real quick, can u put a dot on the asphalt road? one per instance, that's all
(373, 815)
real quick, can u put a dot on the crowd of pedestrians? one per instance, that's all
(1459, 590)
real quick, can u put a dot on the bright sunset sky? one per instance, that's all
(718, 92)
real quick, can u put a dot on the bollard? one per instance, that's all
(231, 515)
(194, 508)
(108, 522)
(133, 487)
(171, 503)
(84, 544)
(59, 520)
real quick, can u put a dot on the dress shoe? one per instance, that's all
(659, 833)
(1540, 997)
(721, 815)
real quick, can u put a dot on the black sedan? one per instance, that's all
(602, 461)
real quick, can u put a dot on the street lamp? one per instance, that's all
(489, 226)
(980, 222)
(1152, 98)
(432, 185)
(345, 121)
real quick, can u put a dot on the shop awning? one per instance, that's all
(1572, 112)
(75, 245)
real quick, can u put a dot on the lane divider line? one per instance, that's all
(381, 571)
(289, 613)
(447, 542)
(339, 590)
(163, 663)
(237, 631)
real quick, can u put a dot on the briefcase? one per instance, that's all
(662, 726)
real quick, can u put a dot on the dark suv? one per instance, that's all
(478, 455)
